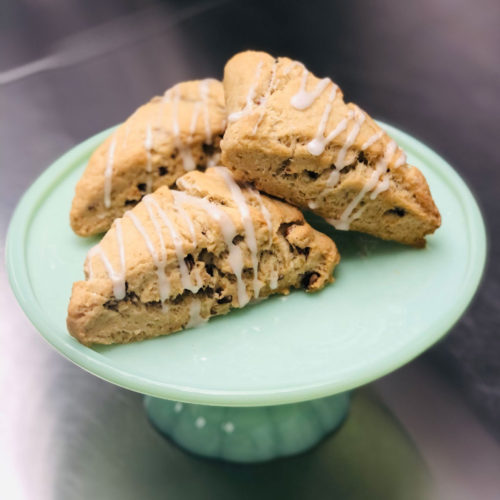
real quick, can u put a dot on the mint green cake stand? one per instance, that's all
(272, 379)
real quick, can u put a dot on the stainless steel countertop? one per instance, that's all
(71, 69)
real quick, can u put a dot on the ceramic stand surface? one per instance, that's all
(348, 343)
(241, 434)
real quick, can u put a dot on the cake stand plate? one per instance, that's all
(247, 386)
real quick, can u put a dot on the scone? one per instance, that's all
(293, 136)
(163, 139)
(180, 257)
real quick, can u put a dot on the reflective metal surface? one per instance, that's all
(70, 69)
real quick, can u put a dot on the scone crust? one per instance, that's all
(182, 128)
(290, 254)
(268, 146)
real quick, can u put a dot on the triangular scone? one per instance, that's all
(180, 257)
(163, 139)
(293, 136)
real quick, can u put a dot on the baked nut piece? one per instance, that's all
(293, 136)
(163, 139)
(180, 257)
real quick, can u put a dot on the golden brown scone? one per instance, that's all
(163, 139)
(293, 136)
(180, 257)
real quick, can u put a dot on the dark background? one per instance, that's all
(430, 67)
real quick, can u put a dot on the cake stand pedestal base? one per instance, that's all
(246, 435)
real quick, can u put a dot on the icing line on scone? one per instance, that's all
(228, 231)
(213, 160)
(346, 218)
(186, 155)
(383, 185)
(186, 281)
(273, 278)
(108, 172)
(265, 212)
(264, 99)
(372, 140)
(117, 277)
(185, 216)
(304, 99)
(246, 219)
(249, 99)
(401, 160)
(194, 119)
(359, 118)
(334, 177)
(318, 144)
(195, 317)
(160, 262)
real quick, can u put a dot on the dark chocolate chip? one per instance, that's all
(400, 212)
(112, 305)
(162, 171)
(141, 186)
(302, 251)
(189, 260)
(309, 279)
(311, 174)
(130, 202)
(208, 149)
(209, 268)
(346, 169)
(225, 300)
(362, 158)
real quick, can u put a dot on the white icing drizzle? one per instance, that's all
(273, 279)
(117, 277)
(185, 152)
(228, 231)
(93, 251)
(333, 178)
(400, 161)
(189, 223)
(318, 144)
(382, 186)
(303, 99)
(185, 216)
(204, 93)
(159, 260)
(265, 212)
(108, 173)
(213, 160)
(372, 139)
(148, 144)
(359, 118)
(195, 317)
(243, 208)
(263, 101)
(346, 218)
(249, 100)
(194, 119)
(121, 252)
(186, 281)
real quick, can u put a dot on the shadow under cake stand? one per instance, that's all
(272, 379)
